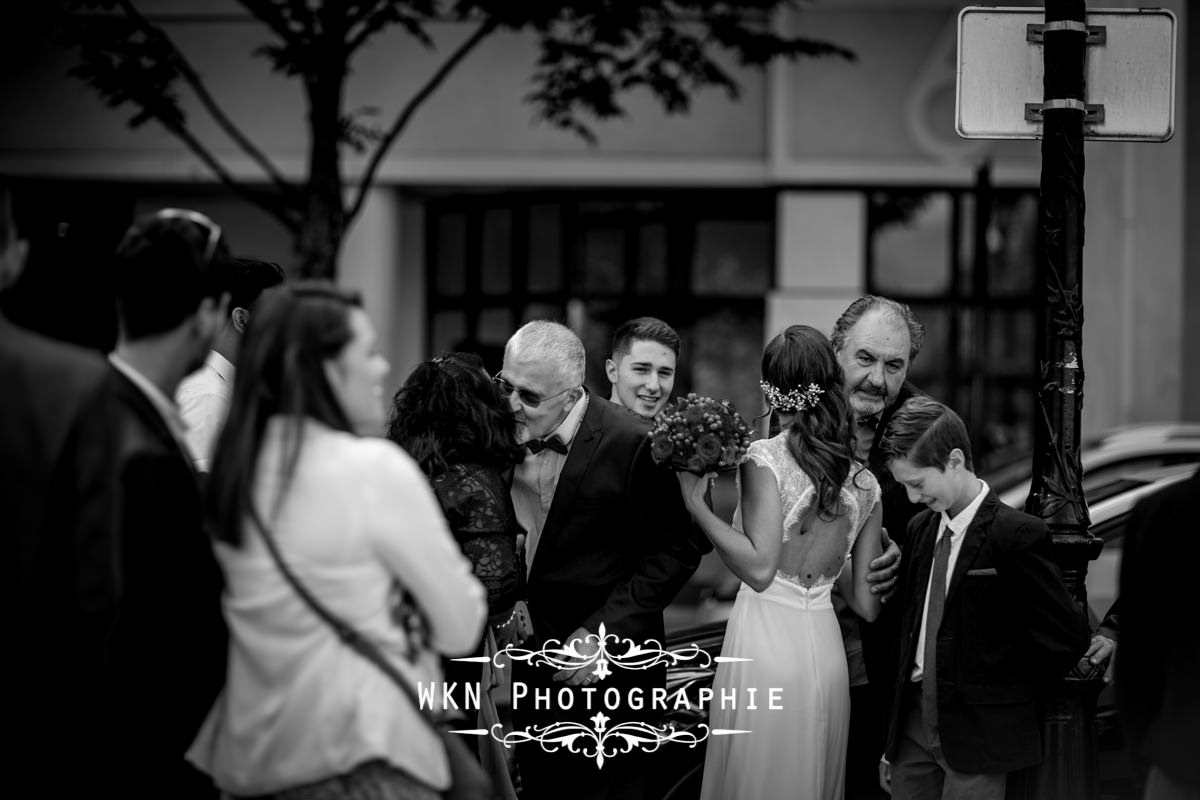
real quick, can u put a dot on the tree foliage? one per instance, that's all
(591, 53)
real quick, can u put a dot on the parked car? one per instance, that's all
(1110, 501)
(1143, 445)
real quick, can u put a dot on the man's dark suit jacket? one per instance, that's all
(1158, 666)
(880, 639)
(897, 510)
(618, 543)
(59, 582)
(617, 546)
(169, 645)
(1009, 627)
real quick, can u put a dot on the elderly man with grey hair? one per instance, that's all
(608, 542)
(875, 339)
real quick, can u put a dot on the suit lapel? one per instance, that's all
(922, 564)
(973, 539)
(583, 446)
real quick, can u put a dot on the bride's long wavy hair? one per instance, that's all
(820, 438)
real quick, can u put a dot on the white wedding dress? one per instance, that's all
(791, 641)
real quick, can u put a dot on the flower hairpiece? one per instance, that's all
(793, 401)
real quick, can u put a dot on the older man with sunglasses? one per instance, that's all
(608, 542)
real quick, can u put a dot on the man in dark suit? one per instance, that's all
(876, 340)
(58, 517)
(1158, 694)
(608, 543)
(987, 620)
(168, 648)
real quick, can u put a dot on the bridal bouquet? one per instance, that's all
(699, 435)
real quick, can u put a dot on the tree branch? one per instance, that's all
(277, 206)
(406, 114)
(373, 17)
(193, 80)
(273, 17)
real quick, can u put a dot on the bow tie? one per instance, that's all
(553, 443)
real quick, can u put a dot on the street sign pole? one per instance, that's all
(1069, 766)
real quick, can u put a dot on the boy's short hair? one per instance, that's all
(924, 432)
(644, 329)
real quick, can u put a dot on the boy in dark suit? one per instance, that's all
(986, 621)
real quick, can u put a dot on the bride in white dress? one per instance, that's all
(807, 509)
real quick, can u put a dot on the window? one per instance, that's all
(967, 262)
(701, 261)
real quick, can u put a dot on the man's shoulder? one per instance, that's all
(1177, 496)
(1011, 527)
(1155, 517)
(618, 419)
(29, 353)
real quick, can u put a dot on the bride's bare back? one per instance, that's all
(815, 546)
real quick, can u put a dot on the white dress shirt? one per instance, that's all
(299, 705)
(203, 399)
(536, 478)
(958, 529)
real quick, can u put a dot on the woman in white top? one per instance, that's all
(302, 715)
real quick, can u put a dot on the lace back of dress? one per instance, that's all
(815, 544)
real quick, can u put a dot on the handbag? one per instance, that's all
(468, 780)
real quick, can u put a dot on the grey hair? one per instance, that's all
(545, 340)
(889, 307)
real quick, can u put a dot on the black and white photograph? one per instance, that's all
(599, 399)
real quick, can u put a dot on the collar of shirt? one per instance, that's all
(958, 529)
(220, 365)
(566, 429)
(958, 525)
(167, 409)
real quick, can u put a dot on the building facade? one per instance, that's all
(827, 178)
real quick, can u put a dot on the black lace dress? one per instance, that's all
(479, 510)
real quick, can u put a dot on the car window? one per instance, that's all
(1104, 473)
(1111, 488)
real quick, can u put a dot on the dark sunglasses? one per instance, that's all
(211, 228)
(527, 397)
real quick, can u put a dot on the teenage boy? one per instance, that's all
(986, 621)
(642, 367)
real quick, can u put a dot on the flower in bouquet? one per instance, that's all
(698, 434)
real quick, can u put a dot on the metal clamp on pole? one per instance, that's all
(1096, 34)
(1092, 112)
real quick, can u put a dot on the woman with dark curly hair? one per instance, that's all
(808, 517)
(451, 419)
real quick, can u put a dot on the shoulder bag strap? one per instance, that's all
(347, 633)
